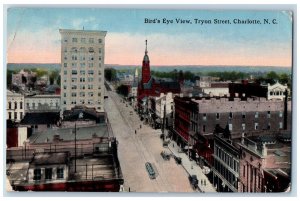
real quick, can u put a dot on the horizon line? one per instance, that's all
(170, 65)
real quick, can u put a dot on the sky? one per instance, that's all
(33, 36)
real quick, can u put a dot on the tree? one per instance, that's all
(54, 75)
(123, 90)
(110, 74)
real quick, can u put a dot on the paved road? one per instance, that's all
(136, 149)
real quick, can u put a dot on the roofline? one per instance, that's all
(82, 31)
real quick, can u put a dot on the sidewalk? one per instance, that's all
(192, 168)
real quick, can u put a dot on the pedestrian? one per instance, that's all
(135, 131)
(173, 144)
(129, 189)
(204, 182)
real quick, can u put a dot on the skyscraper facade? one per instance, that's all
(82, 69)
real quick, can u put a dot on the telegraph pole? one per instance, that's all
(75, 148)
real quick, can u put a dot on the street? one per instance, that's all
(134, 150)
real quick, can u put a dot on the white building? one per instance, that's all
(82, 69)
(276, 91)
(216, 89)
(14, 106)
(40, 103)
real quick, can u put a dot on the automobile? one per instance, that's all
(193, 180)
(177, 159)
(165, 156)
(150, 170)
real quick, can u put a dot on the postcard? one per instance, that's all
(149, 100)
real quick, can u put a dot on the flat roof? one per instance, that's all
(68, 134)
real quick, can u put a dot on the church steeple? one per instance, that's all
(146, 67)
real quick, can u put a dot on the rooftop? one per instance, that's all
(68, 134)
(41, 118)
(49, 159)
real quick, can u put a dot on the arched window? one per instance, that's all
(91, 50)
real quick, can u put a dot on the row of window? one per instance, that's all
(82, 72)
(39, 105)
(226, 158)
(82, 65)
(82, 50)
(84, 40)
(82, 58)
(37, 174)
(230, 116)
(82, 94)
(15, 104)
(89, 102)
(256, 126)
(15, 115)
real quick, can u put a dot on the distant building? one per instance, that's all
(276, 91)
(216, 89)
(246, 89)
(24, 78)
(14, 106)
(82, 69)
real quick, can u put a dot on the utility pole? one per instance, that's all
(75, 148)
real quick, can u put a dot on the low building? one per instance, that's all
(161, 107)
(265, 164)
(14, 106)
(24, 79)
(42, 103)
(41, 121)
(79, 158)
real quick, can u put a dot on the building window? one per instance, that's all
(16, 105)
(256, 115)
(99, 40)
(230, 127)
(243, 115)
(280, 125)
(73, 94)
(269, 126)
(74, 86)
(21, 115)
(269, 114)
(280, 114)
(230, 115)
(21, 105)
(74, 57)
(243, 127)
(60, 173)
(65, 95)
(74, 40)
(255, 126)
(37, 174)
(91, 65)
(91, 40)
(33, 105)
(217, 116)
(65, 40)
(9, 105)
(82, 65)
(83, 40)
(90, 72)
(100, 50)
(65, 65)
(100, 58)
(48, 173)
(74, 65)
(203, 128)
(15, 115)
(65, 87)
(9, 115)
(204, 116)
(65, 72)
(74, 72)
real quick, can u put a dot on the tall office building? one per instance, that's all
(82, 69)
